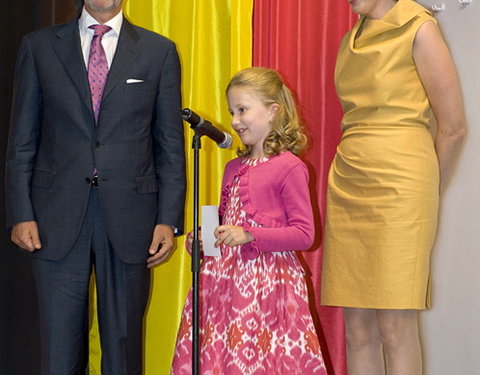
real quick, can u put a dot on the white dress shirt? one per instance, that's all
(109, 40)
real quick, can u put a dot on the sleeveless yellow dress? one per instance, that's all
(382, 201)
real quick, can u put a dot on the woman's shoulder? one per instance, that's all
(409, 10)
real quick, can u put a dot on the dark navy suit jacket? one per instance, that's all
(137, 147)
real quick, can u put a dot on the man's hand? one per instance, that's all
(25, 235)
(161, 246)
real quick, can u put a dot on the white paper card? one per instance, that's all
(209, 223)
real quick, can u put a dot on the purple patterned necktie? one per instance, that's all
(97, 67)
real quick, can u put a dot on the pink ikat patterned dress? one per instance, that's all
(254, 314)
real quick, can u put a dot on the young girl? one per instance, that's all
(254, 315)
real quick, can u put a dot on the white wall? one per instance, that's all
(451, 329)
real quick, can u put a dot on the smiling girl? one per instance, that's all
(254, 315)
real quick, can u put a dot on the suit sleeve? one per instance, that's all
(298, 233)
(23, 140)
(168, 135)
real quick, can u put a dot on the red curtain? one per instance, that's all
(300, 39)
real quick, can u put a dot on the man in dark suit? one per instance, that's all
(95, 178)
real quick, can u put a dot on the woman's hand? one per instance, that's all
(231, 235)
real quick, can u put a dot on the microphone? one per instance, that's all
(204, 127)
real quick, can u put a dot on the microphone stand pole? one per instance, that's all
(196, 145)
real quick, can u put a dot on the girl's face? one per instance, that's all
(250, 118)
(372, 8)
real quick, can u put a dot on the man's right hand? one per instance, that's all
(25, 235)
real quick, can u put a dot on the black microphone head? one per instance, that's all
(203, 127)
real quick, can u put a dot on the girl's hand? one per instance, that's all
(189, 241)
(231, 235)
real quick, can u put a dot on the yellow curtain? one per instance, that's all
(214, 40)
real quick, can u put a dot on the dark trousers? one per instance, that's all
(122, 294)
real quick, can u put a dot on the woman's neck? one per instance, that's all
(379, 11)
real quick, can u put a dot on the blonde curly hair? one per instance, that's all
(287, 132)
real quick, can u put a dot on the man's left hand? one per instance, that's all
(161, 246)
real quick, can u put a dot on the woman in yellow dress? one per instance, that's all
(393, 69)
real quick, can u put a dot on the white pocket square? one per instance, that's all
(134, 80)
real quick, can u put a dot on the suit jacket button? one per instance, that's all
(88, 180)
(98, 144)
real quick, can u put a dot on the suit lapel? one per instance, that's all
(127, 51)
(70, 53)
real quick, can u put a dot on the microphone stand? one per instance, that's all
(196, 145)
(200, 127)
